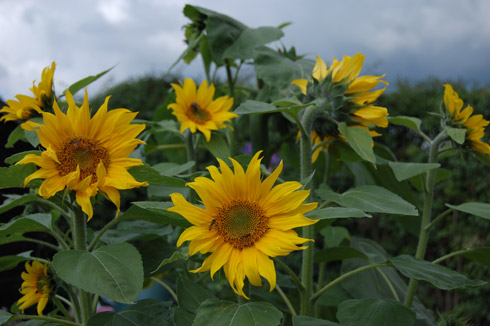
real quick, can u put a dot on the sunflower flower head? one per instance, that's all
(245, 221)
(458, 117)
(25, 106)
(196, 110)
(346, 96)
(36, 287)
(86, 154)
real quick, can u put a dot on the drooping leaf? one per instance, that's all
(28, 223)
(439, 276)
(336, 212)
(152, 176)
(9, 262)
(409, 122)
(226, 313)
(473, 208)
(338, 253)
(404, 171)
(4, 316)
(16, 135)
(177, 255)
(113, 271)
(218, 146)
(374, 312)
(154, 211)
(133, 230)
(171, 169)
(147, 312)
(479, 255)
(13, 201)
(249, 40)
(359, 140)
(456, 134)
(251, 107)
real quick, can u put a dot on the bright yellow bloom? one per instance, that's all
(86, 154)
(25, 105)
(35, 287)
(474, 125)
(244, 222)
(196, 110)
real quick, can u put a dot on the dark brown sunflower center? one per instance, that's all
(241, 223)
(84, 152)
(198, 114)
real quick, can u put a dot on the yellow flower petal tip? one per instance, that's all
(86, 154)
(245, 221)
(196, 110)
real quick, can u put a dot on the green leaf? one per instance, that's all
(409, 122)
(456, 134)
(19, 156)
(376, 200)
(134, 230)
(4, 316)
(113, 271)
(170, 169)
(359, 140)
(191, 294)
(439, 276)
(334, 235)
(249, 40)
(226, 313)
(310, 321)
(147, 312)
(28, 223)
(182, 317)
(404, 171)
(473, 208)
(479, 255)
(338, 253)
(13, 201)
(177, 255)
(75, 87)
(336, 212)
(14, 176)
(9, 262)
(31, 137)
(152, 176)
(16, 135)
(251, 107)
(218, 146)
(374, 312)
(153, 211)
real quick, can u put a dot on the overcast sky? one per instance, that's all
(449, 39)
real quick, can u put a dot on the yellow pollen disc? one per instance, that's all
(197, 114)
(84, 152)
(241, 223)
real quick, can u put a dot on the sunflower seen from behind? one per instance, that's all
(196, 110)
(473, 124)
(25, 106)
(86, 154)
(245, 221)
(35, 288)
(347, 98)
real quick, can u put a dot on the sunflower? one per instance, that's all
(352, 95)
(25, 105)
(244, 222)
(86, 154)
(35, 287)
(474, 125)
(196, 110)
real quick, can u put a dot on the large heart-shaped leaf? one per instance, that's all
(113, 271)
(374, 312)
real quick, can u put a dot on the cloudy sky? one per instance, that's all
(449, 39)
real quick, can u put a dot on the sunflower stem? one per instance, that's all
(426, 215)
(450, 255)
(167, 287)
(308, 231)
(286, 300)
(191, 156)
(101, 233)
(60, 305)
(291, 273)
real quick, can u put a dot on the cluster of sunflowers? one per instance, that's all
(242, 220)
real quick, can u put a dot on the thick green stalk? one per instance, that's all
(308, 231)
(426, 215)
(80, 242)
(191, 156)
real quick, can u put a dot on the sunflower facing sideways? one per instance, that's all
(474, 125)
(25, 105)
(350, 96)
(196, 110)
(86, 154)
(244, 222)
(35, 287)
